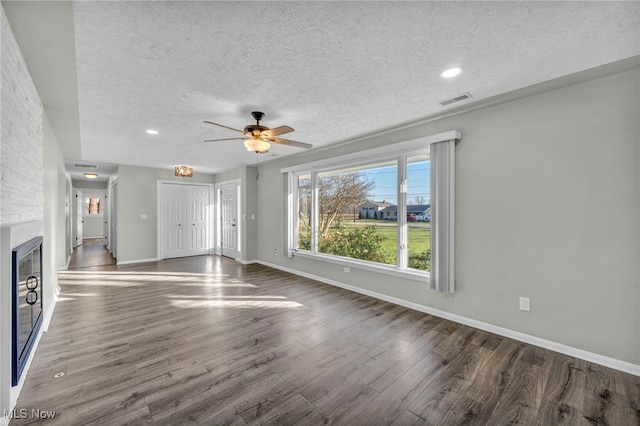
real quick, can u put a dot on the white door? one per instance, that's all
(113, 220)
(173, 212)
(185, 220)
(229, 224)
(78, 221)
(105, 215)
(198, 207)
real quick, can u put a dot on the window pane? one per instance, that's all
(418, 213)
(92, 205)
(357, 212)
(303, 239)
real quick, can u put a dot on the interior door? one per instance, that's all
(174, 221)
(105, 215)
(185, 219)
(113, 221)
(229, 220)
(198, 224)
(78, 211)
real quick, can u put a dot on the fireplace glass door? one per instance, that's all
(27, 302)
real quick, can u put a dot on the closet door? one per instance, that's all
(184, 215)
(173, 221)
(198, 224)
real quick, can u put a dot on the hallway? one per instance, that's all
(91, 253)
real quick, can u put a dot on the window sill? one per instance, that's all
(411, 274)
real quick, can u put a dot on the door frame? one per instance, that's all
(160, 213)
(78, 219)
(112, 217)
(218, 216)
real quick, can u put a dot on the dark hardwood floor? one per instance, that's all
(205, 340)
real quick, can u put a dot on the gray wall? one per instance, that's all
(250, 207)
(548, 194)
(137, 194)
(88, 184)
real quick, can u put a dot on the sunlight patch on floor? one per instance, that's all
(182, 303)
(179, 274)
(131, 279)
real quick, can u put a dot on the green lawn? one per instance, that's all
(419, 240)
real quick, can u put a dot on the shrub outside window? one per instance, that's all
(365, 212)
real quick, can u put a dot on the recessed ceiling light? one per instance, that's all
(91, 175)
(152, 132)
(451, 72)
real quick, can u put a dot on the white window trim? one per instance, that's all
(367, 156)
(398, 150)
(413, 274)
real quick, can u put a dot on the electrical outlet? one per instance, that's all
(525, 304)
(275, 251)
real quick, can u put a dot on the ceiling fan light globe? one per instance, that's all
(257, 145)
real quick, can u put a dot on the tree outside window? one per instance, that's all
(92, 205)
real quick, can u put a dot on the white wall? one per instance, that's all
(137, 195)
(22, 150)
(55, 214)
(21, 187)
(34, 183)
(548, 207)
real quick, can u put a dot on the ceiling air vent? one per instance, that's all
(458, 98)
(86, 166)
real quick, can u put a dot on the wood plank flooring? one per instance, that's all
(205, 340)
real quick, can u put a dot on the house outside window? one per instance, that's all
(327, 222)
(337, 215)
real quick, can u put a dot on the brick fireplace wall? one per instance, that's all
(21, 183)
(21, 153)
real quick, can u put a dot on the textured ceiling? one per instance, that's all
(331, 70)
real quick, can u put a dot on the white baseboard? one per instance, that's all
(606, 361)
(65, 267)
(247, 262)
(52, 307)
(131, 262)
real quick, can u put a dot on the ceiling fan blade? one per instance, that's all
(225, 139)
(276, 131)
(290, 143)
(222, 125)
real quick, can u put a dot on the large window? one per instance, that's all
(390, 209)
(372, 211)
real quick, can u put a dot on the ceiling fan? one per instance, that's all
(259, 138)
